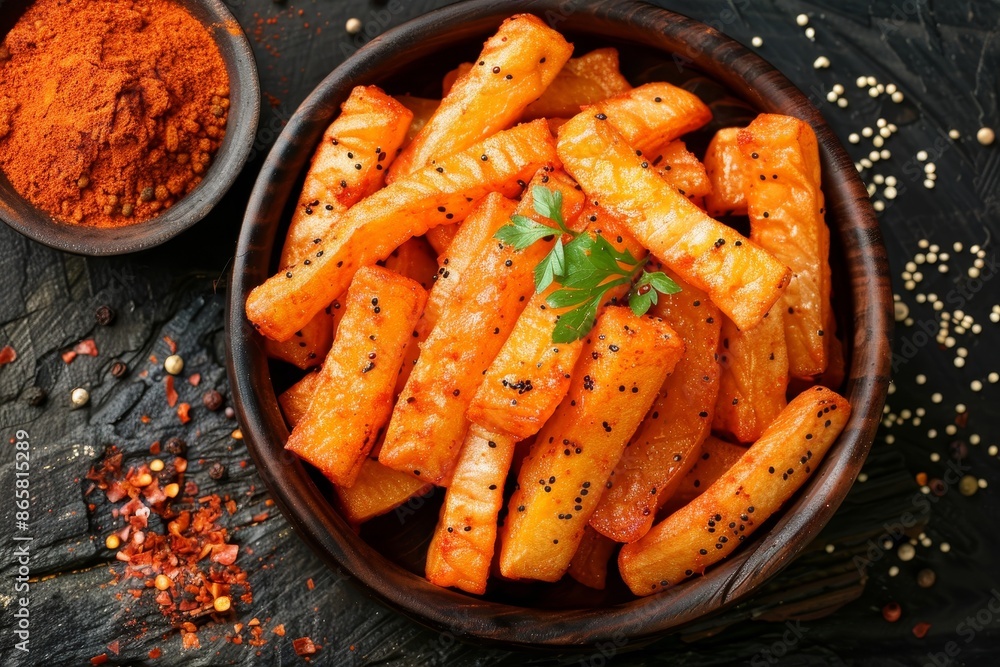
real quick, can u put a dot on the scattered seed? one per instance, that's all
(105, 315)
(968, 485)
(176, 446)
(173, 364)
(79, 397)
(212, 400)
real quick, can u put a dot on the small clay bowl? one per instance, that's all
(241, 128)
(386, 556)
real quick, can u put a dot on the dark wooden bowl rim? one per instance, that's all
(227, 163)
(465, 616)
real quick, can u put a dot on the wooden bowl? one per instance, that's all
(241, 128)
(386, 558)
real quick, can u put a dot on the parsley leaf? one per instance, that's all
(563, 298)
(548, 203)
(568, 297)
(552, 266)
(644, 292)
(586, 268)
(522, 232)
(575, 324)
(641, 303)
(660, 282)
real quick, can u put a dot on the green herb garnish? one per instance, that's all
(585, 268)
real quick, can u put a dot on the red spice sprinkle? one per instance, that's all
(195, 379)
(304, 646)
(891, 612)
(310, 584)
(87, 347)
(183, 411)
(224, 554)
(7, 355)
(258, 518)
(279, 630)
(145, 419)
(68, 356)
(181, 554)
(258, 636)
(114, 647)
(170, 344)
(920, 629)
(99, 659)
(155, 653)
(172, 395)
(155, 448)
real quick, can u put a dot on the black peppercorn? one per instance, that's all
(167, 475)
(119, 369)
(217, 471)
(105, 315)
(212, 400)
(176, 446)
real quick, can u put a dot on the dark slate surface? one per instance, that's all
(943, 55)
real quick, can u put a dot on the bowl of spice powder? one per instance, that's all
(121, 123)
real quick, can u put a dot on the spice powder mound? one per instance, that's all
(110, 112)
